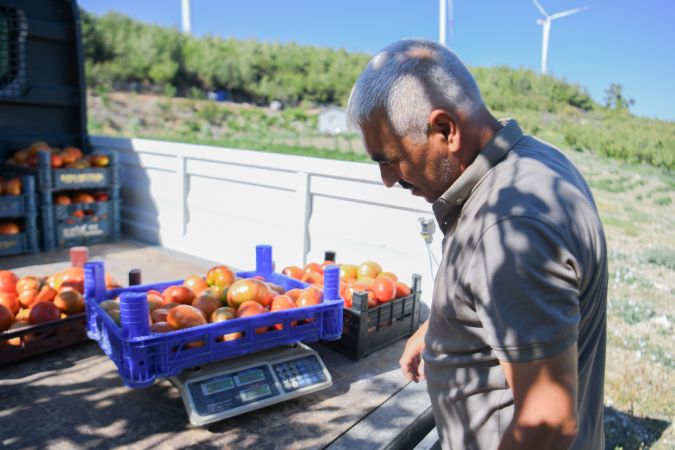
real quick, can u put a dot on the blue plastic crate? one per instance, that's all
(24, 242)
(61, 229)
(20, 205)
(51, 179)
(64, 213)
(142, 356)
(89, 178)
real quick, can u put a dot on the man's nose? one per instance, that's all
(389, 175)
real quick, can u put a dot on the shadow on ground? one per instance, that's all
(625, 431)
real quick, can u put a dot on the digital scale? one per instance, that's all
(227, 388)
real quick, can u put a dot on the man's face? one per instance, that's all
(426, 169)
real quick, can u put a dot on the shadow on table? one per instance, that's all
(74, 397)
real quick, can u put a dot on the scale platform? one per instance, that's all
(227, 388)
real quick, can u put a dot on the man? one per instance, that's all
(514, 348)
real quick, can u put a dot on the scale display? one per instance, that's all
(238, 385)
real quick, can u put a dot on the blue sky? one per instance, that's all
(614, 41)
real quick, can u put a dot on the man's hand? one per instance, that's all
(411, 361)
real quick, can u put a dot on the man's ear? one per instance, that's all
(443, 127)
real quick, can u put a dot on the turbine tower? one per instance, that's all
(546, 29)
(444, 13)
(186, 16)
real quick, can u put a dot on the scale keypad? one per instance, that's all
(299, 373)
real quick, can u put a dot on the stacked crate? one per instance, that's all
(20, 209)
(43, 99)
(97, 222)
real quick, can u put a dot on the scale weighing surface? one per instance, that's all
(227, 388)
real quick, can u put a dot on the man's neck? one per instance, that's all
(485, 129)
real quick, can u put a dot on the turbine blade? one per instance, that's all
(567, 13)
(539, 7)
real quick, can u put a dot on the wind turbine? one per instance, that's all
(546, 28)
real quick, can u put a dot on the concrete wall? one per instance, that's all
(218, 203)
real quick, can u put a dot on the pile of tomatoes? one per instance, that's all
(69, 157)
(217, 297)
(31, 300)
(368, 277)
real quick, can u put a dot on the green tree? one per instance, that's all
(614, 98)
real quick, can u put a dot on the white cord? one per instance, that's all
(427, 233)
(431, 266)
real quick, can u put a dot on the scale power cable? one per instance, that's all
(428, 227)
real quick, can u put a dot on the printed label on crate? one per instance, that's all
(86, 229)
(80, 178)
(5, 244)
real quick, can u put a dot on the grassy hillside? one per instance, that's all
(121, 53)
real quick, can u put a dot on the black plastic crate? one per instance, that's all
(368, 329)
(22, 343)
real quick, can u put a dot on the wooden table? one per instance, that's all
(74, 397)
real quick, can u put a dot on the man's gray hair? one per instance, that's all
(409, 79)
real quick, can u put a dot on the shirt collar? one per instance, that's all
(489, 156)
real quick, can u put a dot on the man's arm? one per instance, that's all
(411, 361)
(545, 401)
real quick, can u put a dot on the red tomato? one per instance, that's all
(69, 301)
(72, 277)
(43, 312)
(294, 294)
(312, 278)
(11, 301)
(385, 289)
(369, 269)
(402, 289)
(161, 327)
(359, 287)
(159, 315)
(196, 284)
(178, 294)
(388, 275)
(309, 296)
(247, 289)
(28, 283)
(185, 316)
(280, 303)
(6, 318)
(293, 272)
(252, 308)
(313, 267)
(8, 281)
(348, 272)
(220, 276)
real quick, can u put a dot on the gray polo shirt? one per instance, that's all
(523, 276)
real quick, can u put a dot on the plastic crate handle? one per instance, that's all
(331, 282)
(263, 260)
(134, 314)
(94, 280)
